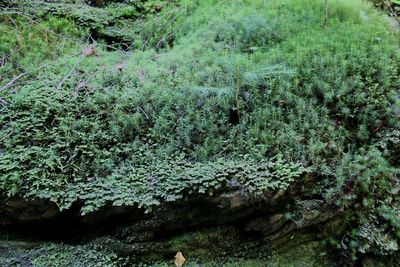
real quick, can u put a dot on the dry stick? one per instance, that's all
(3, 60)
(147, 117)
(326, 14)
(70, 72)
(77, 87)
(3, 102)
(389, 5)
(10, 83)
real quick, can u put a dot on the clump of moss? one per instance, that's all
(27, 43)
(19, 253)
(117, 23)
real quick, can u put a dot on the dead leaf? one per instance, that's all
(89, 51)
(179, 259)
(120, 66)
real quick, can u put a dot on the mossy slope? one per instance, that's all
(255, 95)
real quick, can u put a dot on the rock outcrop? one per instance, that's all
(206, 228)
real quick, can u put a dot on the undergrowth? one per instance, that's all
(26, 43)
(256, 93)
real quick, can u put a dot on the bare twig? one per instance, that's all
(394, 14)
(3, 102)
(3, 60)
(326, 14)
(87, 52)
(84, 82)
(147, 117)
(16, 78)
(10, 83)
(70, 72)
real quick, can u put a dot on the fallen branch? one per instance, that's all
(393, 12)
(10, 83)
(87, 52)
(84, 83)
(389, 5)
(3, 102)
(3, 60)
(70, 72)
(326, 14)
(147, 117)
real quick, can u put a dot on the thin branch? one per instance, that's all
(394, 14)
(3, 102)
(70, 72)
(147, 117)
(84, 82)
(16, 78)
(10, 83)
(3, 60)
(326, 15)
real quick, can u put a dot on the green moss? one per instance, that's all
(306, 255)
(216, 93)
(118, 23)
(18, 253)
(26, 44)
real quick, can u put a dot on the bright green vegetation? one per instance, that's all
(33, 32)
(255, 93)
(26, 43)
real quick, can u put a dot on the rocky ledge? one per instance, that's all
(231, 222)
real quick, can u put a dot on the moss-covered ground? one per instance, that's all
(143, 103)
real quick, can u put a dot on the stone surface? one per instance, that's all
(206, 228)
